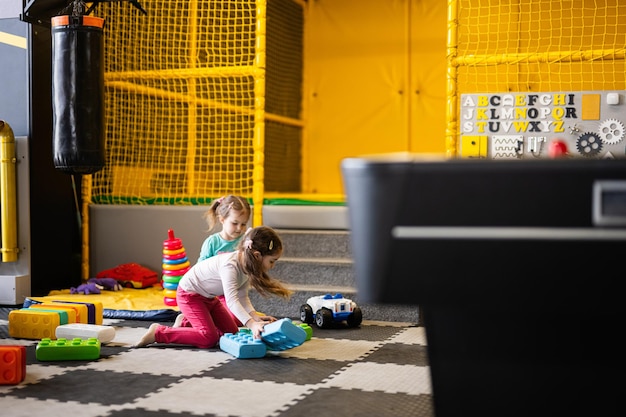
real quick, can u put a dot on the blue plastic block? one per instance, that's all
(67, 350)
(242, 345)
(282, 335)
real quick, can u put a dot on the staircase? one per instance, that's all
(316, 262)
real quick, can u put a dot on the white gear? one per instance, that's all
(611, 131)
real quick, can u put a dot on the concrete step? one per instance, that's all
(315, 243)
(331, 272)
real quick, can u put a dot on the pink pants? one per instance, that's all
(223, 300)
(205, 321)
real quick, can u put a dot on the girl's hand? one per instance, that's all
(268, 319)
(256, 327)
(262, 317)
(257, 322)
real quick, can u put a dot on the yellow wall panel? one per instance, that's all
(428, 76)
(359, 83)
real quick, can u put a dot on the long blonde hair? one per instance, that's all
(265, 240)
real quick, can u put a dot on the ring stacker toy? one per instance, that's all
(175, 265)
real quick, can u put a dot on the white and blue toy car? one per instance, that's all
(326, 310)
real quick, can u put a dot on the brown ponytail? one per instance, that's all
(265, 240)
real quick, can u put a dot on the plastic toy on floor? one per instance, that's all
(277, 336)
(65, 350)
(12, 364)
(326, 310)
(242, 345)
(85, 331)
(27, 323)
(282, 335)
(308, 330)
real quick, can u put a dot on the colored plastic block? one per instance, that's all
(92, 311)
(86, 331)
(81, 310)
(308, 329)
(63, 316)
(27, 323)
(282, 335)
(242, 345)
(68, 315)
(12, 364)
(68, 350)
(279, 335)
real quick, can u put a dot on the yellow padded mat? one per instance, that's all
(129, 303)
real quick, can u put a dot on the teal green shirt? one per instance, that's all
(214, 244)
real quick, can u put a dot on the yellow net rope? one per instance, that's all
(202, 99)
(527, 45)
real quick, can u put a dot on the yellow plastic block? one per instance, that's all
(82, 312)
(71, 313)
(92, 311)
(32, 324)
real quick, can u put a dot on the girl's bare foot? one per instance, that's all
(148, 337)
(179, 320)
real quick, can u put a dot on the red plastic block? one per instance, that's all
(12, 364)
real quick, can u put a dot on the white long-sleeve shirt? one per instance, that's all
(221, 275)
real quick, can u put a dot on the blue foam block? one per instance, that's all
(282, 335)
(242, 345)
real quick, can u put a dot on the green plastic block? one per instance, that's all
(68, 350)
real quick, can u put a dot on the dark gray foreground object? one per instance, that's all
(508, 264)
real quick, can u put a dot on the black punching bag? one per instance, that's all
(78, 94)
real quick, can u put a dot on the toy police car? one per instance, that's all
(326, 310)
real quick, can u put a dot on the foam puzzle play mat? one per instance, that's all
(377, 368)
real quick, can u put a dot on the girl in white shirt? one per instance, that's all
(229, 274)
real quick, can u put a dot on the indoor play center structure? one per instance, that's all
(243, 106)
(267, 98)
(260, 98)
(256, 102)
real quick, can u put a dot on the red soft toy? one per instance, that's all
(131, 275)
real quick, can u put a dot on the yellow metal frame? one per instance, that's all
(258, 170)
(8, 193)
